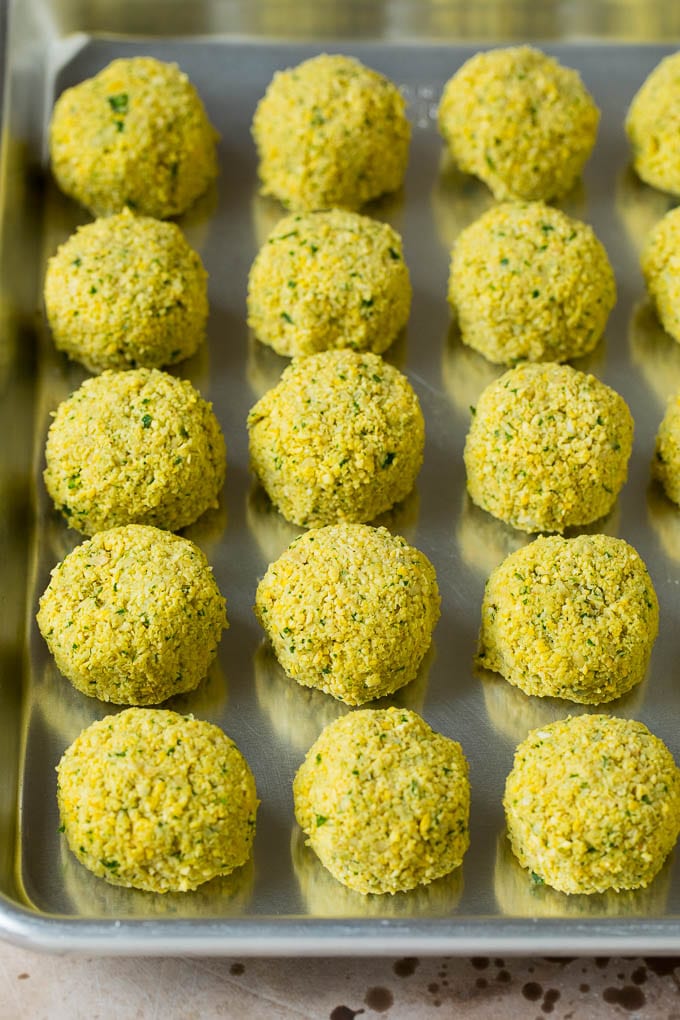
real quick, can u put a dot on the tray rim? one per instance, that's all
(314, 936)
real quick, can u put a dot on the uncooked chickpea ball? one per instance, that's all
(384, 801)
(548, 447)
(331, 132)
(137, 135)
(328, 280)
(660, 263)
(529, 282)
(154, 800)
(341, 438)
(593, 803)
(653, 127)
(520, 121)
(350, 609)
(570, 618)
(127, 291)
(136, 447)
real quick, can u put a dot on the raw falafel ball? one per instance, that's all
(666, 462)
(155, 800)
(593, 803)
(133, 615)
(653, 126)
(570, 618)
(520, 121)
(135, 134)
(384, 800)
(331, 132)
(327, 280)
(529, 282)
(340, 438)
(127, 291)
(548, 447)
(136, 447)
(350, 609)
(660, 262)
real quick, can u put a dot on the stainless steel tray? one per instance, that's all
(285, 903)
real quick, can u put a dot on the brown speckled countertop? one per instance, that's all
(51, 988)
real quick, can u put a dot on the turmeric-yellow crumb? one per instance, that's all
(136, 135)
(520, 121)
(350, 610)
(592, 803)
(384, 801)
(155, 800)
(328, 280)
(126, 291)
(331, 132)
(570, 618)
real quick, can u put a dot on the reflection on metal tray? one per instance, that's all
(284, 903)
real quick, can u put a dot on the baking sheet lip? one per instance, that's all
(311, 937)
(346, 43)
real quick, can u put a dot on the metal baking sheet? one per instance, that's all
(284, 903)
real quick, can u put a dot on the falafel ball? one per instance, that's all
(660, 262)
(125, 292)
(331, 132)
(548, 447)
(154, 800)
(341, 437)
(529, 282)
(593, 803)
(570, 618)
(350, 609)
(136, 134)
(133, 615)
(666, 462)
(328, 280)
(653, 126)
(520, 121)
(384, 801)
(135, 447)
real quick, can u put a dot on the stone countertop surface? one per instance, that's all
(43, 987)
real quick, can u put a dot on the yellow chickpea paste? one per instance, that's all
(572, 618)
(666, 462)
(529, 282)
(660, 262)
(136, 447)
(350, 609)
(126, 291)
(653, 126)
(155, 800)
(384, 801)
(133, 615)
(135, 135)
(327, 280)
(593, 803)
(520, 121)
(331, 132)
(340, 438)
(548, 448)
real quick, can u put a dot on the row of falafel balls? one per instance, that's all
(158, 801)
